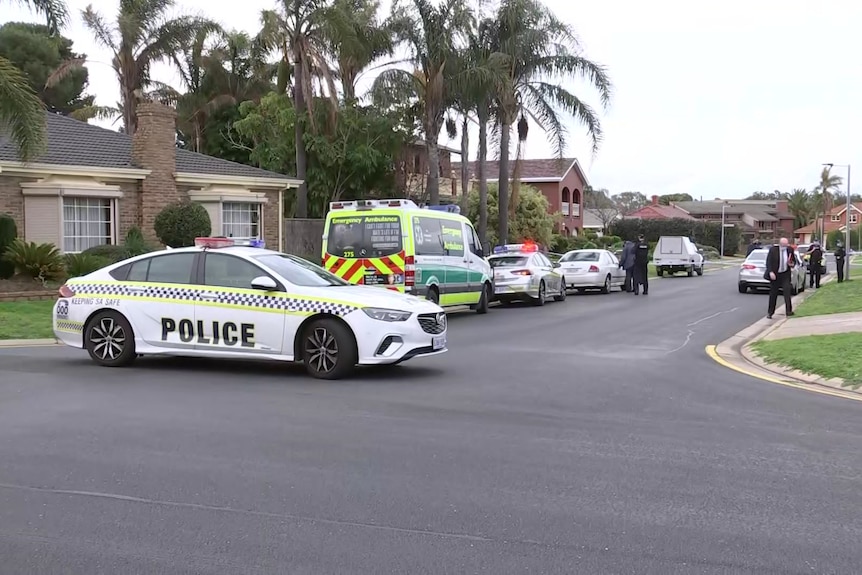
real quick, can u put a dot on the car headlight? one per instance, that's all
(383, 314)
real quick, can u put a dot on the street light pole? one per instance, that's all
(723, 206)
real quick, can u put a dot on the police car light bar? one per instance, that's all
(525, 247)
(370, 204)
(450, 208)
(215, 243)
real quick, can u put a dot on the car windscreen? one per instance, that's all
(757, 257)
(364, 236)
(580, 257)
(299, 271)
(507, 261)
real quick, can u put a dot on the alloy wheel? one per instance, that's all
(108, 338)
(321, 350)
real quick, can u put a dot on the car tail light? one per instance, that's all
(409, 271)
(66, 291)
(749, 267)
(594, 269)
(522, 273)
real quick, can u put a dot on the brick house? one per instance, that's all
(837, 220)
(91, 185)
(655, 211)
(562, 182)
(412, 171)
(754, 218)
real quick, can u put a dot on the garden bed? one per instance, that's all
(26, 289)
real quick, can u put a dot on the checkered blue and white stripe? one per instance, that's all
(240, 299)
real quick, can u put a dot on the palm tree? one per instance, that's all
(825, 189)
(21, 110)
(142, 36)
(542, 52)
(299, 30)
(799, 204)
(430, 32)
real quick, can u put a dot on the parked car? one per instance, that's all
(522, 272)
(752, 270)
(592, 269)
(677, 254)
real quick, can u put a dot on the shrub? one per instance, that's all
(82, 264)
(39, 261)
(559, 244)
(178, 224)
(8, 235)
(581, 243)
(112, 253)
(135, 244)
(532, 220)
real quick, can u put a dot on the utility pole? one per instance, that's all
(723, 206)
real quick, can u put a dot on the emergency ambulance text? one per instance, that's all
(221, 332)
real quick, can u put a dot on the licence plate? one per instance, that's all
(438, 342)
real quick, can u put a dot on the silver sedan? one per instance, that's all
(753, 269)
(592, 269)
(521, 273)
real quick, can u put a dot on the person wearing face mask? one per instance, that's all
(840, 254)
(780, 262)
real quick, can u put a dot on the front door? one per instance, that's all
(233, 317)
(161, 295)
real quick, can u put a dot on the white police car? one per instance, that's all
(224, 299)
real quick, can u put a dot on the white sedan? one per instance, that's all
(242, 302)
(592, 269)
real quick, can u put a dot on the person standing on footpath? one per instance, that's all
(627, 262)
(840, 254)
(780, 262)
(815, 265)
(640, 265)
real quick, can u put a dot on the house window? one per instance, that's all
(87, 222)
(854, 218)
(836, 218)
(240, 220)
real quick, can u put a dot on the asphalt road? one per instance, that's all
(592, 436)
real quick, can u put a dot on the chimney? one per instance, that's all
(655, 200)
(154, 148)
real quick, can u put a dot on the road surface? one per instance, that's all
(593, 436)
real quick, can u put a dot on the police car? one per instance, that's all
(236, 299)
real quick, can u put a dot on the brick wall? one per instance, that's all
(154, 148)
(272, 219)
(12, 200)
(128, 208)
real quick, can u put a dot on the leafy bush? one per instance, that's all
(133, 245)
(532, 220)
(8, 235)
(112, 253)
(82, 264)
(178, 224)
(581, 243)
(705, 233)
(559, 244)
(39, 261)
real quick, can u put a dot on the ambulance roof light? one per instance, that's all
(371, 204)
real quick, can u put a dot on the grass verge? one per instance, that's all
(833, 297)
(834, 355)
(26, 319)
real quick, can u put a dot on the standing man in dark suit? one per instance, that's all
(627, 262)
(640, 268)
(815, 265)
(780, 262)
(840, 254)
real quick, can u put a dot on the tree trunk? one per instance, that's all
(298, 133)
(433, 187)
(130, 120)
(503, 185)
(482, 177)
(465, 167)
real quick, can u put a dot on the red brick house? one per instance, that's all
(837, 220)
(412, 171)
(755, 218)
(656, 211)
(562, 182)
(91, 185)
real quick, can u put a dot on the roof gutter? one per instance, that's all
(11, 168)
(245, 181)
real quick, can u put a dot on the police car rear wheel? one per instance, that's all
(329, 350)
(562, 295)
(109, 340)
(540, 300)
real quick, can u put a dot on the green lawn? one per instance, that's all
(26, 320)
(833, 297)
(834, 355)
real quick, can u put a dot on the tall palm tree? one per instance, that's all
(826, 188)
(357, 38)
(21, 110)
(299, 30)
(799, 204)
(543, 52)
(430, 32)
(141, 36)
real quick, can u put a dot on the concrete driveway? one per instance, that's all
(592, 436)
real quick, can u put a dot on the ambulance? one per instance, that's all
(433, 253)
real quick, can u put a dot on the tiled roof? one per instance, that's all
(815, 227)
(659, 212)
(760, 216)
(553, 169)
(761, 211)
(592, 219)
(840, 207)
(75, 143)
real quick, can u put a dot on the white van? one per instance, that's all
(677, 254)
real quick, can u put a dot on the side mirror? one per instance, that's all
(264, 283)
(558, 265)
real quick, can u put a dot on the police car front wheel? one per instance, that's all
(328, 349)
(109, 340)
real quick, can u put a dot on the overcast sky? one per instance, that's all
(713, 99)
